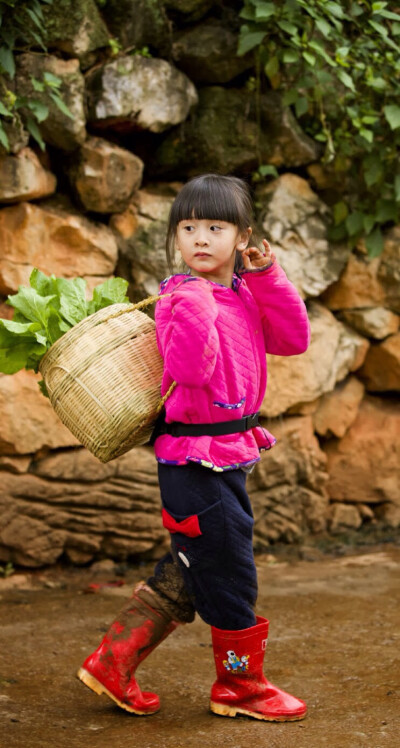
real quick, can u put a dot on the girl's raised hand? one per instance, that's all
(254, 258)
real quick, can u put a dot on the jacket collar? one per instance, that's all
(179, 277)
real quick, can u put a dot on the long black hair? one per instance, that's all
(213, 197)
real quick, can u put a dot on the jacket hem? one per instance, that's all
(212, 465)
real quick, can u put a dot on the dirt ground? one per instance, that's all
(334, 641)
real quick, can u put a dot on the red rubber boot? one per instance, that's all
(129, 640)
(241, 687)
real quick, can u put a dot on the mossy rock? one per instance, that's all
(217, 137)
(207, 53)
(75, 27)
(222, 134)
(138, 93)
(57, 129)
(139, 23)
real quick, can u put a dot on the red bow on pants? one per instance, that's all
(189, 526)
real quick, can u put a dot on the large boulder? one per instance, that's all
(364, 466)
(58, 129)
(334, 351)
(28, 423)
(337, 410)
(373, 322)
(104, 176)
(295, 221)
(217, 137)
(74, 28)
(222, 134)
(369, 282)
(22, 177)
(55, 241)
(344, 517)
(358, 285)
(139, 93)
(381, 368)
(68, 503)
(291, 147)
(207, 53)
(288, 487)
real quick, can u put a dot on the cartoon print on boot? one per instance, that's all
(234, 664)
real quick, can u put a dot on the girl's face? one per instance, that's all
(208, 247)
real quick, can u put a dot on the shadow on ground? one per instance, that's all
(334, 641)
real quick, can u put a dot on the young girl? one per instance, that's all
(214, 325)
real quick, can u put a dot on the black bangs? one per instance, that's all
(213, 198)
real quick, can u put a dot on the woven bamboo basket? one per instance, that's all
(103, 378)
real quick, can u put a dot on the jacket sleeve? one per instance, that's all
(283, 313)
(186, 334)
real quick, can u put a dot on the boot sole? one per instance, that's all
(91, 682)
(231, 711)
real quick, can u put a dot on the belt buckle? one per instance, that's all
(251, 421)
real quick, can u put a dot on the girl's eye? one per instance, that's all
(215, 228)
(188, 228)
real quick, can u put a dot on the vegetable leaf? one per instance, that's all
(56, 327)
(112, 291)
(73, 305)
(44, 285)
(33, 306)
(16, 358)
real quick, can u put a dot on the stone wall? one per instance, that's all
(96, 202)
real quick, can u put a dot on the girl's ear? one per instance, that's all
(244, 237)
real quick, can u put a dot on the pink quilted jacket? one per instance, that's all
(213, 341)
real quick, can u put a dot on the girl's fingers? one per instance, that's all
(254, 253)
(268, 250)
(246, 259)
(255, 257)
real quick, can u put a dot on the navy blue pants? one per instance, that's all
(210, 519)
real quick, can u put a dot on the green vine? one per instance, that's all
(21, 28)
(338, 66)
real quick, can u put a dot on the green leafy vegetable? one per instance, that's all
(44, 312)
(107, 293)
(33, 306)
(73, 306)
(18, 343)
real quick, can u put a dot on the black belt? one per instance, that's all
(176, 428)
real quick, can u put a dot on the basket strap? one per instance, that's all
(140, 305)
(165, 398)
(150, 300)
